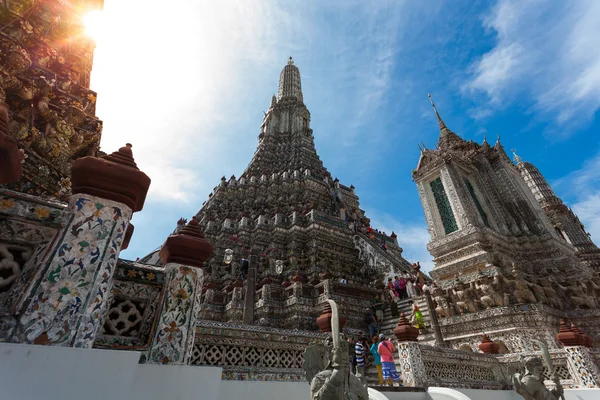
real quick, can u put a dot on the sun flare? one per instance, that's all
(94, 24)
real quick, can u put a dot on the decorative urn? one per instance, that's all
(487, 346)
(324, 320)
(566, 336)
(404, 331)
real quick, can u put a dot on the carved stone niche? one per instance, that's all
(12, 260)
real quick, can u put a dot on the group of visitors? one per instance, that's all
(404, 286)
(383, 358)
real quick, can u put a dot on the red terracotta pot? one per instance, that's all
(324, 320)
(566, 336)
(404, 331)
(487, 346)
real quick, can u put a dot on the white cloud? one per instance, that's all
(412, 238)
(588, 211)
(545, 50)
(581, 190)
(165, 76)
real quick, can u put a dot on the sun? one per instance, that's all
(94, 24)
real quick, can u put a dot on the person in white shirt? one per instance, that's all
(410, 288)
(344, 280)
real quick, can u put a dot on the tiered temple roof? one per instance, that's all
(286, 206)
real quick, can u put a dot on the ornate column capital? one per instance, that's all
(113, 177)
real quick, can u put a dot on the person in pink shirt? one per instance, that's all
(388, 366)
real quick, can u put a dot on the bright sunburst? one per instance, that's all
(93, 22)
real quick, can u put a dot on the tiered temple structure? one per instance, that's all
(565, 221)
(502, 268)
(45, 65)
(286, 209)
(500, 263)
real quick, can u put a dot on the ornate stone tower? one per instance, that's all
(45, 66)
(565, 222)
(480, 212)
(286, 206)
(497, 256)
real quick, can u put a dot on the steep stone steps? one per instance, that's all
(389, 323)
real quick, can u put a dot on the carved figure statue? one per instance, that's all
(522, 292)
(537, 290)
(551, 295)
(463, 298)
(579, 297)
(443, 308)
(335, 381)
(489, 296)
(531, 385)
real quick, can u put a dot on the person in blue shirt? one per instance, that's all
(377, 358)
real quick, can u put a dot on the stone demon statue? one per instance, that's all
(531, 385)
(335, 381)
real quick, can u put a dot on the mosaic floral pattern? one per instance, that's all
(175, 331)
(583, 367)
(66, 302)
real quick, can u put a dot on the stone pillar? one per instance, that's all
(183, 255)
(412, 368)
(64, 304)
(584, 369)
(435, 325)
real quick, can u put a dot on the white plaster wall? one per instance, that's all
(255, 390)
(446, 394)
(58, 373)
(406, 395)
(30, 372)
(46, 373)
(175, 382)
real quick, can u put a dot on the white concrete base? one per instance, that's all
(57, 373)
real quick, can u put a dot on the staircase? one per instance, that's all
(389, 323)
(390, 255)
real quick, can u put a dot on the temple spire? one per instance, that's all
(440, 121)
(290, 86)
(448, 139)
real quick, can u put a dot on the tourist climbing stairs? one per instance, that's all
(388, 325)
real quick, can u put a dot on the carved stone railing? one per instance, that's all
(130, 319)
(459, 369)
(252, 352)
(512, 363)
(27, 226)
(422, 365)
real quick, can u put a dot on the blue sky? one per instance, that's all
(187, 85)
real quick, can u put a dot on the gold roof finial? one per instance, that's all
(440, 121)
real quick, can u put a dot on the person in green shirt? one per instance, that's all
(377, 358)
(377, 305)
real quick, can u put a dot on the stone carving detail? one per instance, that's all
(444, 371)
(131, 318)
(12, 259)
(244, 356)
(124, 318)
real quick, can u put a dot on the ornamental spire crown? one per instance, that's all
(290, 86)
(448, 139)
